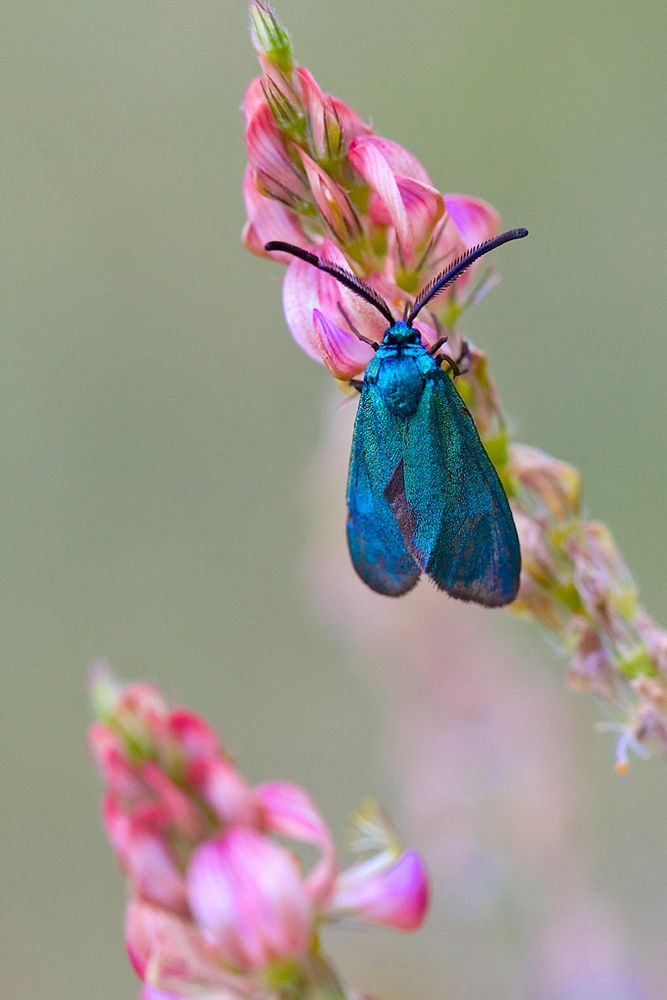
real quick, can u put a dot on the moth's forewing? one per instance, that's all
(377, 547)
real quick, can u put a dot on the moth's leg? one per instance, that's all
(462, 364)
(358, 335)
(450, 361)
(436, 347)
(463, 360)
(356, 383)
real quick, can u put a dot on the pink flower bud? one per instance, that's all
(223, 789)
(144, 854)
(395, 895)
(332, 203)
(268, 219)
(248, 896)
(274, 171)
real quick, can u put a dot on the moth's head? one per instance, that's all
(400, 333)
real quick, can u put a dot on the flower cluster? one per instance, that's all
(320, 178)
(220, 908)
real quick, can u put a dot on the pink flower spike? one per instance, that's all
(247, 894)
(344, 354)
(287, 810)
(396, 896)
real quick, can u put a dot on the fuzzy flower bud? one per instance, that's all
(269, 38)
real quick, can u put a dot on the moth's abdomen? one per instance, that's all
(401, 385)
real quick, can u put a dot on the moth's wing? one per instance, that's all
(455, 512)
(377, 547)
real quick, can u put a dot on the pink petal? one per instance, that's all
(476, 220)
(145, 856)
(314, 102)
(248, 896)
(179, 812)
(397, 896)
(120, 777)
(252, 99)
(289, 811)
(351, 123)
(344, 354)
(268, 220)
(305, 289)
(331, 201)
(374, 168)
(269, 158)
(412, 207)
(401, 161)
(193, 734)
(224, 790)
(153, 933)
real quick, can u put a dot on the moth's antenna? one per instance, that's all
(461, 264)
(341, 274)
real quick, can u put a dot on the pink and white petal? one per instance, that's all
(425, 207)
(178, 810)
(396, 896)
(195, 737)
(367, 159)
(149, 992)
(158, 939)
(305, 289)
(344, 354)
(268, 155)
(268, 219)
(475, 219)
(351, 123)
(247, 894)
(223, 789)
(118, 774)
(331, 201)
(252, 99)
(314, 103)
(400, 160)
(289, 811)
(145, 857)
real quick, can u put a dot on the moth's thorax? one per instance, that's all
(399, 372)
(400, 334)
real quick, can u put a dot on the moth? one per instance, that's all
(422, 494)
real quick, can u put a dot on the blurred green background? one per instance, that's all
(158, 423)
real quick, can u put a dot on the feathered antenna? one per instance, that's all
(455, 270)
(341, 274)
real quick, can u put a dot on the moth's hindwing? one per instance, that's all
(376, 544)
(456, 519)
